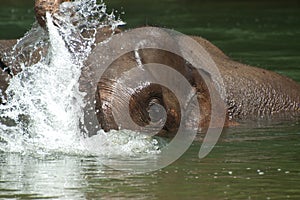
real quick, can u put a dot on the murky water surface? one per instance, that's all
(252, 161)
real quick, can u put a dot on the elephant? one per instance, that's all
(251, 92)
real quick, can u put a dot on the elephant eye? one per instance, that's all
(157, 112)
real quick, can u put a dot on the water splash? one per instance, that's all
(78, 23)
(44, 105)
(29, 50)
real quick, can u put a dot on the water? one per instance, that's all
(258, 163)
(44, 108)
(252, 161)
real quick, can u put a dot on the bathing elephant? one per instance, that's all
(250, 92)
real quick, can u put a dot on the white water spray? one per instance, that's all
(44, 104)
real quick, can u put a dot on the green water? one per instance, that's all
(260, 161)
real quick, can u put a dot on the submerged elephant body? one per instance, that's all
(250, 91)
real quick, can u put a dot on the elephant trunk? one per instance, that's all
(41, 7)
